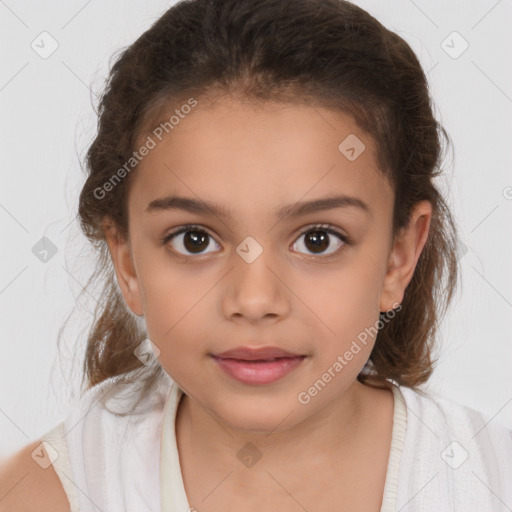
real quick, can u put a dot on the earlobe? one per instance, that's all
(404, 255)
(120, 253)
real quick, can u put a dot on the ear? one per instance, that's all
(404, 255)
(121, 254)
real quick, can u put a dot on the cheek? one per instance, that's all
(174, 297)
(348, 290)
(180, 315)
(346, 303)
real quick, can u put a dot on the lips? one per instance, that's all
(257, 354)
(258, 365)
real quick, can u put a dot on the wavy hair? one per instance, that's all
(329, 53)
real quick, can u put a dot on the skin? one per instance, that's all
(252, 160)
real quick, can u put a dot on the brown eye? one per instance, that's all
(189, 240)
(319, 239)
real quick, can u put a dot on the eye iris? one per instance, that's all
(193, 241)
(318, 239)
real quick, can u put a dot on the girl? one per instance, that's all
(277, 259)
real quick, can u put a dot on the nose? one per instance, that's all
(256, 290)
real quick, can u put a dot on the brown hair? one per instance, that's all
(329, 53)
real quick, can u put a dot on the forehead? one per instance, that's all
(255, 158)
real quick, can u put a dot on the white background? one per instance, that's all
(47, 122)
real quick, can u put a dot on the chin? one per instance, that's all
(258, 417)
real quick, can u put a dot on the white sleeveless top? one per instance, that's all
(444, 456)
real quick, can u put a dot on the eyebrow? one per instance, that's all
(204, 207)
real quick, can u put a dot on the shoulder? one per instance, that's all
(29, 482)
(428, 409)
(455, 449)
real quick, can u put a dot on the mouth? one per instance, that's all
(257, 354)
(258, 371)
(269, 360)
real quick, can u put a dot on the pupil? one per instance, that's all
(318, 239)
(193, 241)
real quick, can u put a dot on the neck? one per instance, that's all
(339, 428)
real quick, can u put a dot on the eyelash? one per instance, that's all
(328, 228)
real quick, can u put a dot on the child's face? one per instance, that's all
(204, 299)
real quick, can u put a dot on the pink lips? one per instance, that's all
(261, 365)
